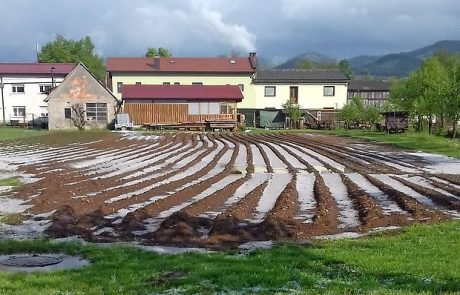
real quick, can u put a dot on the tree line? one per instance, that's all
(432, 92)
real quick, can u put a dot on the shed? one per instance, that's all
(81, 95)
(175, 104)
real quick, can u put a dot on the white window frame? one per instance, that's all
(14, 88)
(326, 92)
(16, 112)
(270, 91)
(96, 111)
(44, 87)
(119, 84)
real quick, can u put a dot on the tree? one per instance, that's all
(78, 119)
(344, 66)
(162, 52)
(292, 111)
(453, 97)
(353, 111)
(305, 64)
(63, 50)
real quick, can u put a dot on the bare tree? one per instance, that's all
(78, 119)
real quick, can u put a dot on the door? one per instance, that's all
(294, 94)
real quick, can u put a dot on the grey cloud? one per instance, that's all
(277, 29)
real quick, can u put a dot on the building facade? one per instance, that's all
(81, 95)
(310, 89)
(23, 88)
(170, 104)
(236, 71)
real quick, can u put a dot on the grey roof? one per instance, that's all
(369, 85)
(299, 76)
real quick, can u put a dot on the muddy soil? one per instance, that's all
(144, 188)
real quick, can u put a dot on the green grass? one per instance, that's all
(12, 181)
(12, 219)
(16, 133)
(408, 140)
(57, 138)
(420, 260)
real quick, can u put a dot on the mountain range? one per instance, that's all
(389, 65)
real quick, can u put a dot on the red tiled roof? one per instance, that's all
(179, 64)
(185, 92)
(36, 68)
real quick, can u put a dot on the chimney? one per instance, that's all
(156, 61)
(253, 59)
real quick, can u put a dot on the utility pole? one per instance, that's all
(3, 101)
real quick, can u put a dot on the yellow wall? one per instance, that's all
(310, 96)
(188, 79)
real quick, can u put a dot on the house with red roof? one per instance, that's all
(189, 105)
(23, 88)
(178, 89)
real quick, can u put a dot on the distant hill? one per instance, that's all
(399, 64)
(390, 65)
(315, 57)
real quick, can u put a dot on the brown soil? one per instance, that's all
(80, 200)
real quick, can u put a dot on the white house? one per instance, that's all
(310, 89)
(23, 88)
(319, 93)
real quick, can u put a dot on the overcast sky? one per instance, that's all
(276, 29)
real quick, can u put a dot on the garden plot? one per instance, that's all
(213, 189)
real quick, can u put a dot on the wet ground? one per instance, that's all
(222, 190)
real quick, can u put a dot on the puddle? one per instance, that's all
(40, 262)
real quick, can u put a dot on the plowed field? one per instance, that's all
(219, 190)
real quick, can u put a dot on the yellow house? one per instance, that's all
(236, 71)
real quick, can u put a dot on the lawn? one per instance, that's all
(408, 140)
(33, 136)
(422, 259)
(16, 133)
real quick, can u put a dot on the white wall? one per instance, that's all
(311, 96)
(31, 99)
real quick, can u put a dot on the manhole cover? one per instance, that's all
(31, 261)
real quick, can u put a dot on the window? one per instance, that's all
(19, 111)
(176, 83)
(18, 88)
(119, 84)
(45, 88)
(67, 113)
(166, 83)
(197, 83)
(193, 108)
(329, 91)
(96, 112)
(227, 108)
(138, 83)
(43, 111)
(241, 87)
(270, 90)
(204, 108)
(214, 108)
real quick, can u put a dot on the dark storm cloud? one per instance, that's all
(277, 29)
